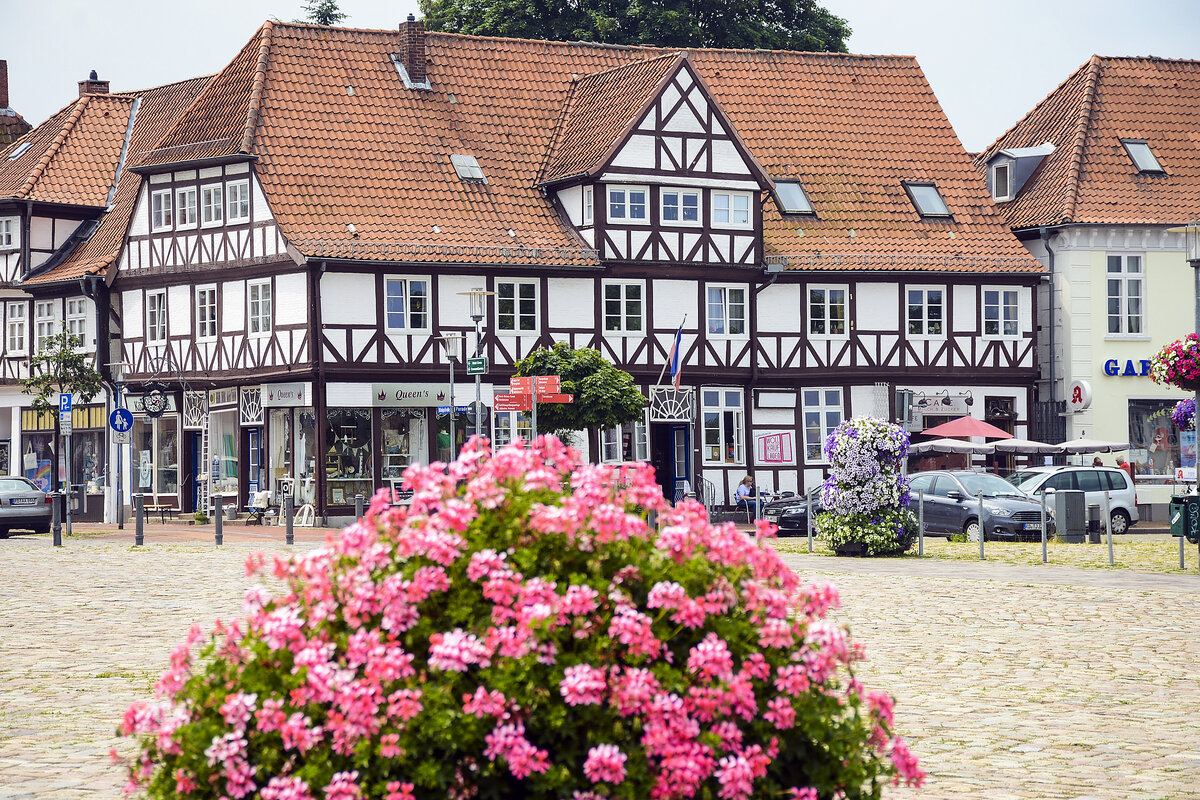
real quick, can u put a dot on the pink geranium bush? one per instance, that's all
(1178, 363)
(520, 631)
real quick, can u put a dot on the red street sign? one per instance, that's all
(556, 398)
(513, 402)
(520, 385)
(547, 384)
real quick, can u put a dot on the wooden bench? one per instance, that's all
(161, 509)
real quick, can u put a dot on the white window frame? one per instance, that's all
(1008, 181)
(186, 208)
(259, 321)
(407, 313)
(612, 442)
(1007, 300)
(827, 304)
(237, 197)
(925, 305)
(623, 302)
(517, 314)
(726, 413)
(75, 321)
(16, 327)
(212, 199)
(627, 205)
(825, 425)
(8, 232)
(508, 425)
(725, 203)
(589, 206)
(679, 195)
(45, 315)
(206, 324)
(156, 317)
(161, 213)
(1125, 279)
(726, 306)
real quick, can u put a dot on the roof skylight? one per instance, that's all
(1143, 157)
(791, 198)
(927, 199)
(21, 148)
(467, 168)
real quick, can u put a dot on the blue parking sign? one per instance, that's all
(120, 420)
(64, 403)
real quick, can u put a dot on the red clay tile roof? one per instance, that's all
(157, 109)
(600, 110)
(1089, 178)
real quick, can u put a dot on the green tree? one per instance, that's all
(756, 24)
(604, 395)
(61, 367)
(323, 12)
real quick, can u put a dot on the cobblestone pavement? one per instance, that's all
(1017, 683)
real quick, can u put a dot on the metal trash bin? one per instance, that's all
(1184, 514)
(1070, 515)
(1094, 527)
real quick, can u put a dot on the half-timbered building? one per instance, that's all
(305, 236)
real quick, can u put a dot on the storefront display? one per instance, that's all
(462, 421)
(1153, 438)
(223, 432)
(348, 455)
(629, 442)
(155, 458)
(405, 440)
(292, 435)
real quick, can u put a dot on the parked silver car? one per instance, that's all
(23, 506)
(1092, 481)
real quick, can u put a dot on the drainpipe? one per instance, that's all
(1044, 232)
(27, 225)
(90, 286)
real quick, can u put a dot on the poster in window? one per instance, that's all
(774, 448)
(5, 465)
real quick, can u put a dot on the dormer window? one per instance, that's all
(1143, 157)
(589, 211)
(467, 168)
(926, 199)
(791, 197)
(19, 151)
(1001, 181)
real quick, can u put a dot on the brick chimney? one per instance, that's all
(3, 83)
(412, 48)
(93, 85)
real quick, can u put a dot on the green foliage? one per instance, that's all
(884, 532)
(60, 367)
(200, 518)
(323, 12)
(604, 395)
(755, 24)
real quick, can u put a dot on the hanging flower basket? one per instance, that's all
(1178, 364)
(1184, 414)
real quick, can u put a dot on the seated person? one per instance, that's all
(747, 495)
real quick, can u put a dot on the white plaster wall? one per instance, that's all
(233, 306)
(571, 302)
(454, 308)
(964, 309)
(260, 210)
(637, 152)
(179, 310)
(291, 298)
(63, 230)
(41, 233)
(673, 299)
(878, 306)
(863, 402)
(571, 199)
(131, 313)
(139, 225)
(348, 298)
(726, 158)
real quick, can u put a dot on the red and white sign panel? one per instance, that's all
(774, 447)
(547, 384)
(513, 402)
(556, 398)
(520, 385)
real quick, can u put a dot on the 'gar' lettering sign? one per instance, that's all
(1113, 368)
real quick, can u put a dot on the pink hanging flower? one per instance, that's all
(605, 763)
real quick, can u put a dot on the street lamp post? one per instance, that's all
(450, 345)
(478, 310)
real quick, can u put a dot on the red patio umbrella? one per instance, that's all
(967, 426)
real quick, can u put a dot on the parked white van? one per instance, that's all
(1092, 481)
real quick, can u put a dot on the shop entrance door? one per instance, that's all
(197, 473)
(254, 462)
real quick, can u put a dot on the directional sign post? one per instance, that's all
(513, 402)
(556, 398)
(64, 427)
(477, 366)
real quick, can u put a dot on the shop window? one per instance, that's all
(447, 450)
(628, 442)
(37, 443)
(1153, 438)
(88, 448)
(348, 459)
(405, 440)
(223, 434)
(291, 433)
(822, 413)
(511, 425)
(155, 457)
(724, 432)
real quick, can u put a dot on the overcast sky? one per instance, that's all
(988, 63)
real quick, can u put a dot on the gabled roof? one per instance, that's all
(154, 110)
(1089, 178)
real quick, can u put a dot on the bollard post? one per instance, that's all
(139, 524)
(1108, 525)
(809, 517)
(1181, 564)
(920, 522)
(56, 520)
(290, 535)
(982, 529)
(358, 499)
(1044, 527)
(219, 519)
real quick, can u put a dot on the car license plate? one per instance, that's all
(773, 516)
(23, 501)
(1032, 526)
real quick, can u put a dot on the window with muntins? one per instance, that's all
(1125, 293)
(185, 210)
(926, 312)
(1000, 308)
(76, 320)
(726, 311)
(731, 209)
(260, 308)
(407, 304)
(212, 205)
(45, 317)
(623, 307)
(516, 306)
(680, 206)
(1001, 186)
(589, 212)
(206, 312)
(827, 310)
(16, 327)
(723, 426)
(156, 317)
(160, 210)
(8, 232)
(237, 201)
(628, 442)
(510, 425)
(628, 204)
(822, 413)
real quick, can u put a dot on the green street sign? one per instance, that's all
(477, 366)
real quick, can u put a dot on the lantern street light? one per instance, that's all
(478, 311)
(450, 347)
